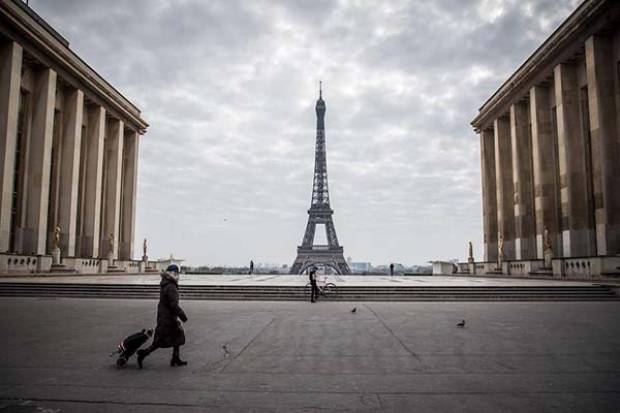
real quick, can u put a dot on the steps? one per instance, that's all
(298, 293)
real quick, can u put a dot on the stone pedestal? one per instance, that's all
(548, 257)
(472, 267)
(56, 256)
(111, 266)
(57, 267)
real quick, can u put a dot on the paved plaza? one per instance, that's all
(298, 356)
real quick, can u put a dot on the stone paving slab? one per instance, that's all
(300, 280)
(298, 356)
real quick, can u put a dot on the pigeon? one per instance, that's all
(226, 351)
(354, 309)
(461, 324)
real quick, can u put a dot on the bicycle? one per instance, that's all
(325, 289)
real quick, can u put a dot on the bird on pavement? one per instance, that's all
(354, 309)
(461, 324)
(226, 351)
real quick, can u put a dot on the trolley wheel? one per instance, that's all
(121, 362)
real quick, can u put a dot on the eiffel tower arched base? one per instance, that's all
(332, 258)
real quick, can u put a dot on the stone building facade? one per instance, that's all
(68, 154)
(550, 154)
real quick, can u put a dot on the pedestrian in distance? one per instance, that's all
(251, 267)
(169, 332)
(314, 295)
(391, 268)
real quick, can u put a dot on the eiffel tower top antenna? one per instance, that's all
(320, 89)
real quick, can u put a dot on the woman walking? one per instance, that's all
(168, 332)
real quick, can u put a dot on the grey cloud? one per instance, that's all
(229, 87)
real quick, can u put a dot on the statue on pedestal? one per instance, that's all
(500, 251)
(56, 244)
(111, 251)
(57, 230)
(470, 258)
(145, 257)
(547, 249)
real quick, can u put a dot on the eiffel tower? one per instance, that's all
(320, 212)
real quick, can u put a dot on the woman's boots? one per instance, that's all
(142, 353)
(176, 359)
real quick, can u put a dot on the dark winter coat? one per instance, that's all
(312, 275)
(169, 332)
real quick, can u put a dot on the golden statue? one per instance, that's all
(500, 247)
(111, 243)
(144, 247)
(57, 230)
(471, 250)
(547, 240)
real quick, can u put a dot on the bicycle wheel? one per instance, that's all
(330, 290)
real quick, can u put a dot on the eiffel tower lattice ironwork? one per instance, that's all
(320, 212)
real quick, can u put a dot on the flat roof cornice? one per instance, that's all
(550, 53)
(50, 44)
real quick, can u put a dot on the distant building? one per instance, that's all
(163, 263)
(444, 267)
(68, 154)
(550, 153)
(360, 267)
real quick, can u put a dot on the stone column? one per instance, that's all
(10, 79)
(545, 183)
(112, 191)
(576, 237)
(129, 190)
(600, 67)
(505, 186)
(525, 227)
(91, 224)
(489, 195)
(39, 160)
(70, 169)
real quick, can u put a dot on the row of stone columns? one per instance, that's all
(94, 184)
(550, 164)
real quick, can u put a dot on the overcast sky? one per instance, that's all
(229, 87)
